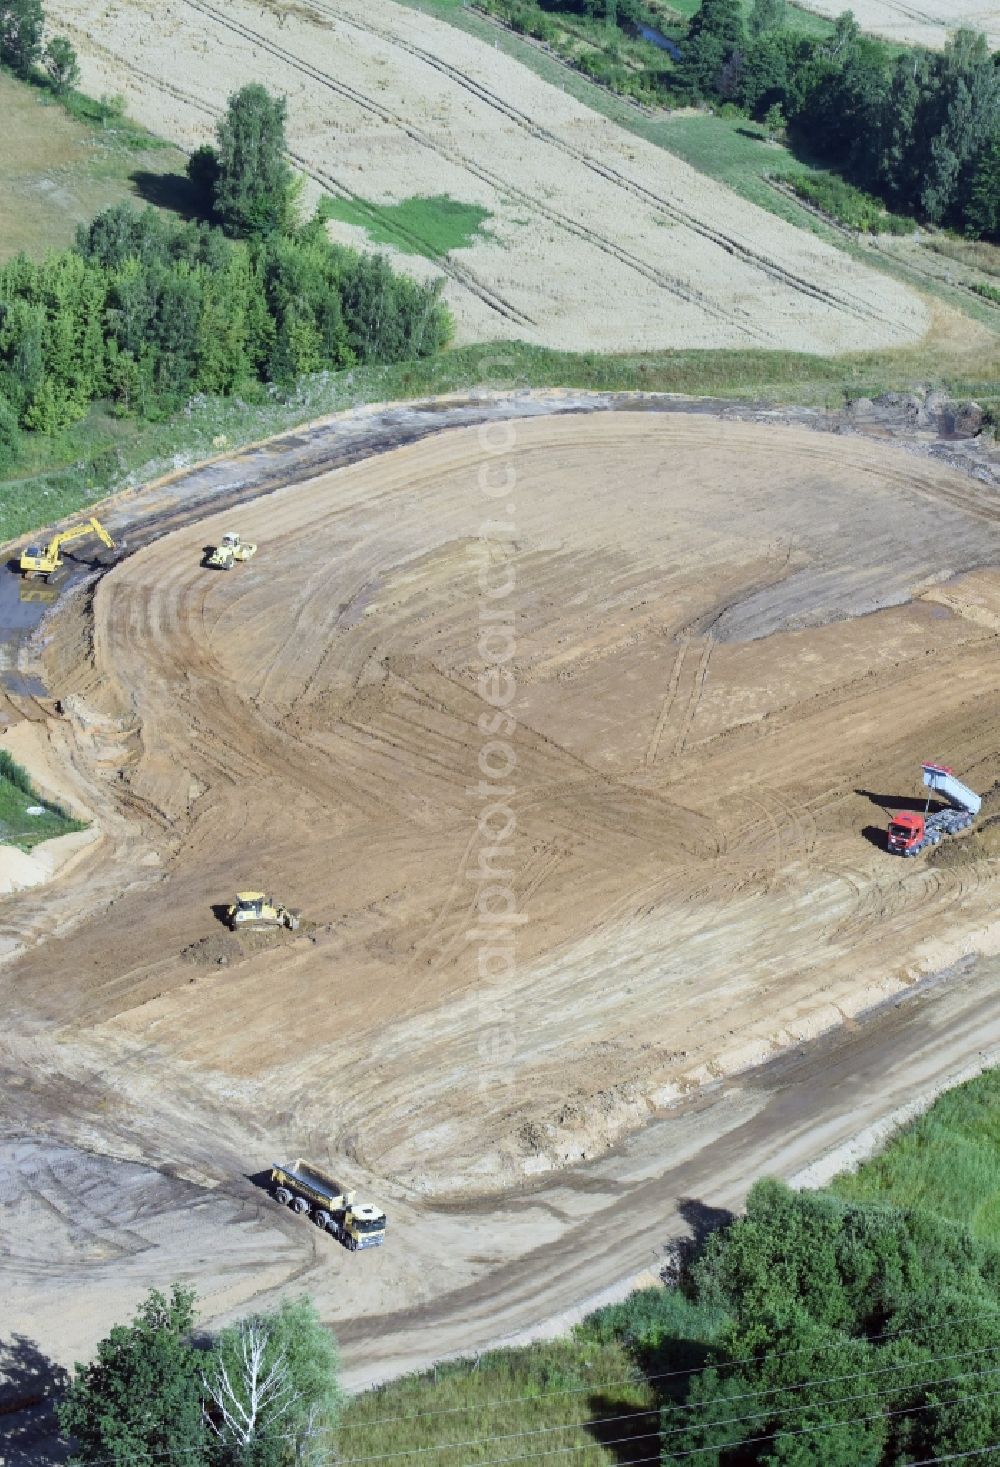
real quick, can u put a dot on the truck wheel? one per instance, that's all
(300, 1205)
(283, 1196)
(321, 1218)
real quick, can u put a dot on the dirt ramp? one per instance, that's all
(654, 693)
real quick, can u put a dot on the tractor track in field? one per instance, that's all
(669, 208)
(460, 273)
(505, 188)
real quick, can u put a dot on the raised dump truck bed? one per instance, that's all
(910, 833)
(942, 780)
(308, 1189)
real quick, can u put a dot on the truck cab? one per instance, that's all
(906, 831)
(248, 907)
(363, 1226)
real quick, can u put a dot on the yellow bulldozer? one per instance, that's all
(42, 560)
(253, 911)
(229, 550)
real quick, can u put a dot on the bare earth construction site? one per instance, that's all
(727, 640)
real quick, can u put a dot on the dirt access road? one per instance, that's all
(596, 239)
(733, 642)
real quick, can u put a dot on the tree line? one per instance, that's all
(262, 1393)
(820, 1332)
(147, 310)
(916, 129)
(919, 129)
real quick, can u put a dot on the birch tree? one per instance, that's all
(270, 1389)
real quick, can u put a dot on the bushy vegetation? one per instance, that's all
(603, 41)
(262, 1393)
(850, 206)
(147, 310)
(918, 129)
(856, 1333)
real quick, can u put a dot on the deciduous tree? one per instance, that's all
(253, 190)
(270, 1389)
(21, 26)
(139, 1402)
(716, 31)
(60, 62)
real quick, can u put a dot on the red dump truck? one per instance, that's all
(910, 833)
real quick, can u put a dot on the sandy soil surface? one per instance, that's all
(596, 238)
(731, 643)
(728, 645)
(927, 23)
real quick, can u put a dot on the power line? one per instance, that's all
(925, 1462)
(751, 1440)
(956, 1456)
(673, 1431)
(750, 1395)
(505, 1401)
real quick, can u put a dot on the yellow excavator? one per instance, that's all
(42, 560)
(253, 910)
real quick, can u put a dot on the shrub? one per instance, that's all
(847, 204)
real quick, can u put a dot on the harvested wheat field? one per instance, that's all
(928, 23)
(726, 644)
(595, 239)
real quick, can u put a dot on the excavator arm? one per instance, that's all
(92, 527)
(38, 561)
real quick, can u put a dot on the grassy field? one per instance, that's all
(57, 169)
(947, 1161)
(559, 1395)
(431, 226)
(17, 797)
(737, 153)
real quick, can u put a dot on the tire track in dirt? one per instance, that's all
(694, 700)
(504, 187)
(623, 878)
(668, 208)
(666, 707)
